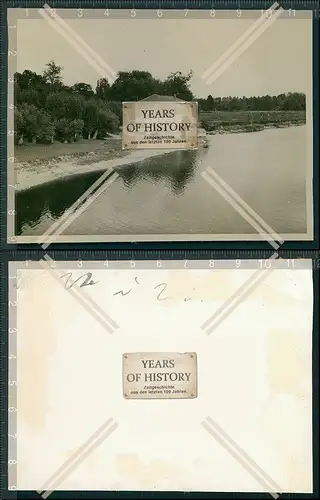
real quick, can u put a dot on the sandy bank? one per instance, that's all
(28, 176)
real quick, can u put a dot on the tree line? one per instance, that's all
(292, 101)
(46, 109)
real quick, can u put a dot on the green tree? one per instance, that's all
(29, 96)
(210, 103)
(30, 87)
(46, 107)
(30, 80)
(83, 89)
(63, 130)
(115, 107)
(46, 128)
(133, 86)
(33, 124)
(74, 105)
(56, 105)
(76, 129)
(19, 126)
(295, 101)
(266, 103)
(68, 130)
(177, 84)
(91, 119)
(29, 122)
(280, 100)
(53, 74)
(65, 105)
(103, 89)
(107, 122)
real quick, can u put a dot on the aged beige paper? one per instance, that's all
(254, 378)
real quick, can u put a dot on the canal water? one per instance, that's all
(168, 195)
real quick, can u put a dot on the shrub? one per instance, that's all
(29, 96)
(63, 130)
(68, 130)
(28, 121)
(33, 124)
(19, 125)
(107, 122)
(65, 105)
(91, 117)
(46, 132)
(76, 129)
(115, 107)
(204, 123)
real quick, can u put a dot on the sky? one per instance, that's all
(280, 60)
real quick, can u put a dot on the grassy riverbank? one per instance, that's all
(86, 152)
(249, 121)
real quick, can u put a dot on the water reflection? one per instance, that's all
(168, 195)
(175, 169)
(51, 200)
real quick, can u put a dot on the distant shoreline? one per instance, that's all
(62, 162)
(254, 127)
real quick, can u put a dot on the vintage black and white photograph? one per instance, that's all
(246, 172)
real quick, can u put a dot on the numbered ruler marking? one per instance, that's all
(160, 375)
(12, 378)
(157, 12)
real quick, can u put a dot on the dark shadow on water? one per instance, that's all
(174, 169)
(51, 200)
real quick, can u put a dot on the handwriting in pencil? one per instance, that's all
(84, 280)
(121, 292)
(164, 286)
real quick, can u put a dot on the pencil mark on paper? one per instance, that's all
(164, 286)
(84, 280)
(121, 292)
